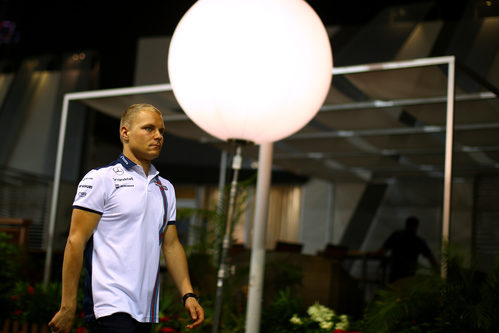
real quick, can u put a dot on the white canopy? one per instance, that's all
(379, 121)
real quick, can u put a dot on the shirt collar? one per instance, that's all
(153, 172)
(128, 164)
(125, 161)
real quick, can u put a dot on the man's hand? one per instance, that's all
(63, 321)
(195, 311)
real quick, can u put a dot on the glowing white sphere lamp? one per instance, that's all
(254, 70)
(249, 71)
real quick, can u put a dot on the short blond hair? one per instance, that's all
(130, 113)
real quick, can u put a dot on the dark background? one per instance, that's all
(110, 31)
(112, 28)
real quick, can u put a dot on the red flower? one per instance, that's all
(80, 330)
(14, 297)
(31, 290)
(82, 314)
(166, 330)
(17, 312)
(165, 318)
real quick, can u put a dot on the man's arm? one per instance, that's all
(433, 261)
(176, 263)
(387, 246)
(83, 224)
(378, 253)
(429, 255)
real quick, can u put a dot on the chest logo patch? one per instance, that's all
(117, 170)
(163, 187)
(123, 185)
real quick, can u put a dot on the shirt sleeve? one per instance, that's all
(90, 194)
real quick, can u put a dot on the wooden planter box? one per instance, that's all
(13, 326)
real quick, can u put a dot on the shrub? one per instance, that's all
(465, 301)
(10, 261)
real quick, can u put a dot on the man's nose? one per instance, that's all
(158, 135)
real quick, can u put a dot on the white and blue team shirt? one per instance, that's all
(122, 256)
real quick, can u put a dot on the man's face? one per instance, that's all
(145, 135)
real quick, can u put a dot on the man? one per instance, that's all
(123, 216)
(406, 246)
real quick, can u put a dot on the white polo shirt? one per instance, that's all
(122, 256)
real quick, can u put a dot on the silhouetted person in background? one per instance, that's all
(406, 246)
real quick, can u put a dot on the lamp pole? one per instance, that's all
(257, 265)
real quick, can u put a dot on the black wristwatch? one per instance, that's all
(186, 296)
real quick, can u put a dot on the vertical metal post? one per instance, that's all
(223, 268)
(221, 180)
(257, 263)
(55, 191)
(449, 134)
(330, 214)
(221, 197)
(249, 216)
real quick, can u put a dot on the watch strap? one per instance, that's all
(187, 295)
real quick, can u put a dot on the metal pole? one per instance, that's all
(223, 268)
(449, 133)
(257, 263)
(55, 191)
(221, 197)
(383, 66)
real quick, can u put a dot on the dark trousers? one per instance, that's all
(118, 323)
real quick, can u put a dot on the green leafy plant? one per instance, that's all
(204, 258)
(37, 303)
(10, 261)
(487, 319)
(276, 316)
(465, 301)
(170, 313)
(411, 303)
(23, 298)
(216, 217)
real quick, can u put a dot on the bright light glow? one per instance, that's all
(256, 70)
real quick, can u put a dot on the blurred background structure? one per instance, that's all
(372, 156)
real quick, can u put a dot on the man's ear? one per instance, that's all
(124, 133)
